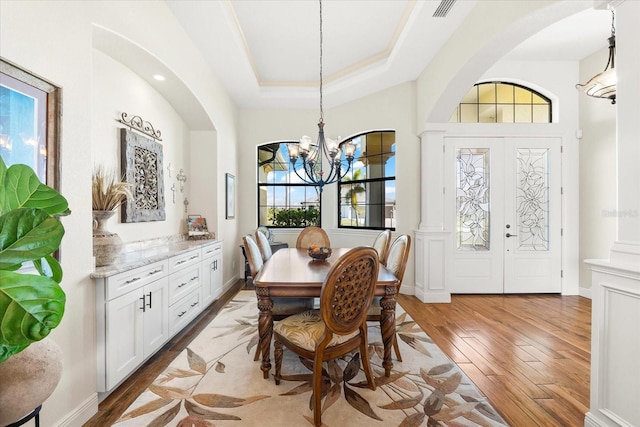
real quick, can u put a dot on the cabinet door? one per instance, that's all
(207, 281)
(156, 315)
(124, 336)
(217, 278)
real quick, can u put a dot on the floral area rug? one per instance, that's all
(215, 382)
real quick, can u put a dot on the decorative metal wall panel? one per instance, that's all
(532, 198)
(472, 199)
(142, 163)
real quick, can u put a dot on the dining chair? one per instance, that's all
(312, 236)
(396, 263)
(282, 307)
(339, 326)
(263, 245)
(381, 244)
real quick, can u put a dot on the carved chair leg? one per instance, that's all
(257, 355)
(277, 355)
(366, 364)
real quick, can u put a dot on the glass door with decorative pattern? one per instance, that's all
(504, 208)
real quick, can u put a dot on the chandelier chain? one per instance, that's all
(321, 109)
(613, 22)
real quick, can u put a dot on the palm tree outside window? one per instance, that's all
(367, 194)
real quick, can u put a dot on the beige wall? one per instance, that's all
(598, 172)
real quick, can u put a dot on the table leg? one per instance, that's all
(265, 328)
(388, 326)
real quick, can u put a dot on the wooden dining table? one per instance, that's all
(291, 273)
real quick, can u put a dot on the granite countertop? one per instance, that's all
(144, 254)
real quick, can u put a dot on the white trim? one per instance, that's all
(81, 414)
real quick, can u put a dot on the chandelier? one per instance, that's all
(603, 85)
(309, 159)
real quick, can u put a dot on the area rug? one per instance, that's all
(215, 382)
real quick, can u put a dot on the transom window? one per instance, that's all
(499, 102)
(367, 196)
(284, 201)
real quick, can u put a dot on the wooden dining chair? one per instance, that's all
(381, 244)
(396, 263)
(264, 246)
(339, 326)
(282, 307)
(312, 236)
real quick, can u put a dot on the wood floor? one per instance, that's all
(528, 354)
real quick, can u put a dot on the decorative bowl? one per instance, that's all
(319, 253)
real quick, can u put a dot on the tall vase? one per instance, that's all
(106, 245)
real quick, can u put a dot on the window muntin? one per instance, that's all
(499, 102)
(367, 194)
(284, 201)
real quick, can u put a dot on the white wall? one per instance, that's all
(393, 108)
(117, 89)
(598, 172)
(54, 40)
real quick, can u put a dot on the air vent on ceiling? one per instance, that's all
(443, 8)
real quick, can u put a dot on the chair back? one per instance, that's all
(254, 257)
(398, 256)
(264, 246)
(348, 289)
(312, 236)
(381, 244)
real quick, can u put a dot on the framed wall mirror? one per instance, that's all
(30, 115)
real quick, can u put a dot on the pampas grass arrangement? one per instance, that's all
(108, 190)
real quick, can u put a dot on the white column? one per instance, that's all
(431, 239)
(615, 344)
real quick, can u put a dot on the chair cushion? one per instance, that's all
(306, 329)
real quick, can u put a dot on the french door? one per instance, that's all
(504, 209)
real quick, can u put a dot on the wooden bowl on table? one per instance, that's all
(319, 253)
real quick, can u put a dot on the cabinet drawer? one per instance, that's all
(211, 250)
(122, 283)
(184, 260)
(183, 282)
(183, 311)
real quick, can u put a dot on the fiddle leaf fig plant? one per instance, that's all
(31, 299)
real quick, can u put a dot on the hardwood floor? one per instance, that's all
(528, 354)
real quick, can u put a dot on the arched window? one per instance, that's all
(500, 102)
(284, 201)
(367, 194)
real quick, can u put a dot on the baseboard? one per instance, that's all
(591, 421)
(81, 414)
(585, 292)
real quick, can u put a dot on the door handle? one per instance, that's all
(510, 235)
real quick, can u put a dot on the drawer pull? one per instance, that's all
(154, 272)
(194, 278)
(182, 314)
(194, 304)
(194, 257)
(143, 303)
(132, 280)
(183, 284)
(182, 261)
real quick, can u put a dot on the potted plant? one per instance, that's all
(107, 193)
(32, 302)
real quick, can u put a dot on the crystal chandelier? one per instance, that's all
(309, 160)
(603, 85)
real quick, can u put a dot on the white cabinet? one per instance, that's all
(139, 309)
(133, 320)
(211, 273)
(184, 289)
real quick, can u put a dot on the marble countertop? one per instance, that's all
(128, 260)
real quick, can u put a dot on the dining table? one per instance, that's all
(292, 273)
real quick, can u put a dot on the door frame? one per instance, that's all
(432, 259)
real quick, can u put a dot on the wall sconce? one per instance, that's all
(182, 178)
